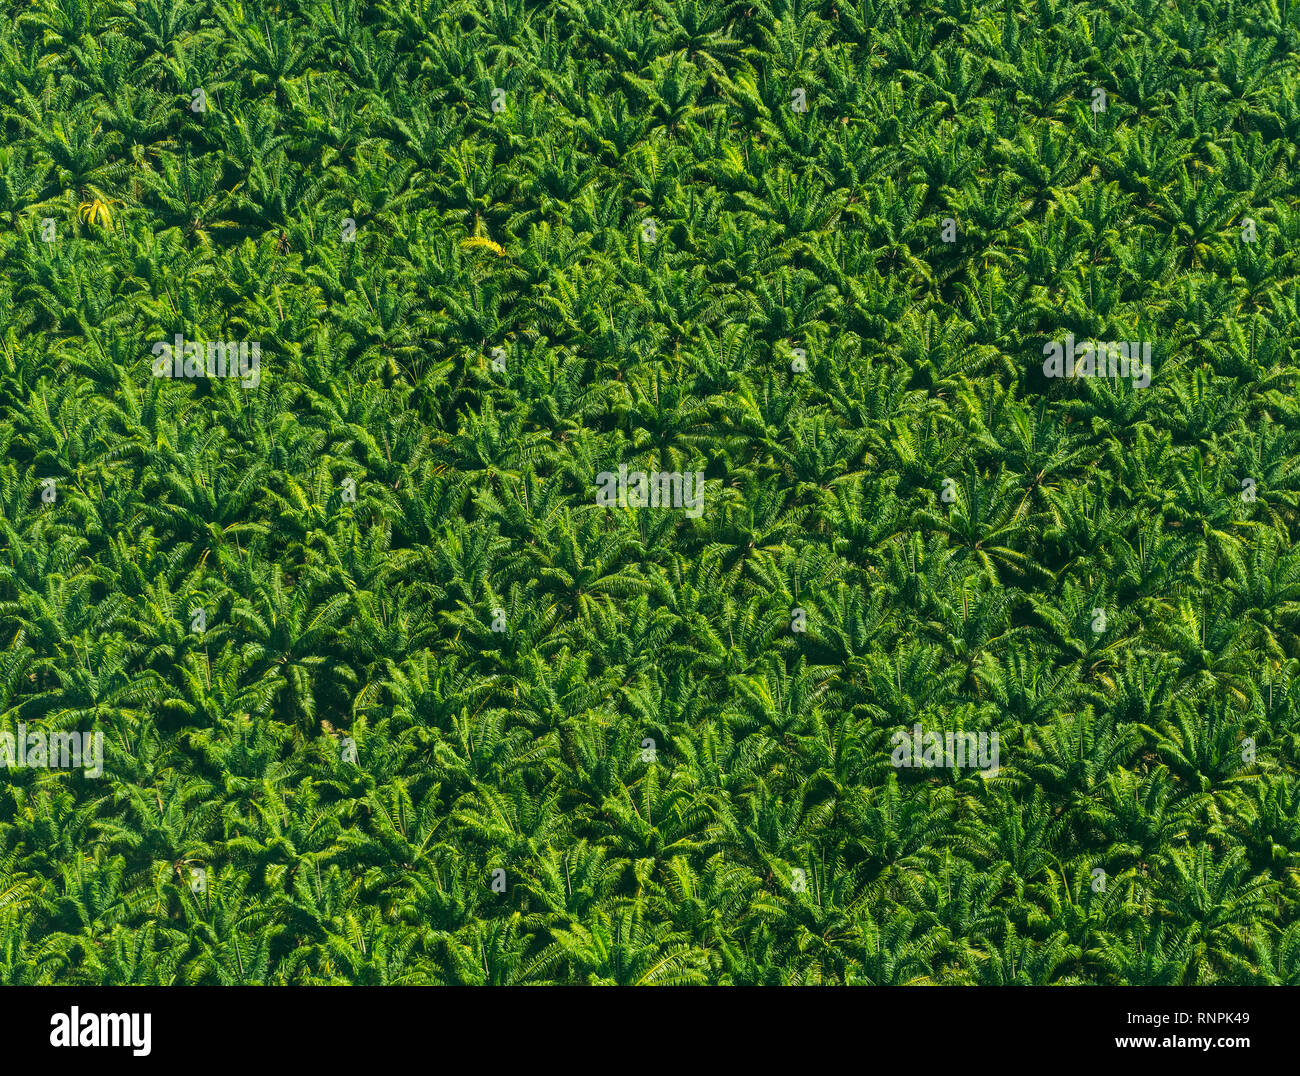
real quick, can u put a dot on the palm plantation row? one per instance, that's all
(493, 249)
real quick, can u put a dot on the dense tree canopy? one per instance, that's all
(446, 718)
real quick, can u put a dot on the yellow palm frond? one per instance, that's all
(479, 242)
(97, 211)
